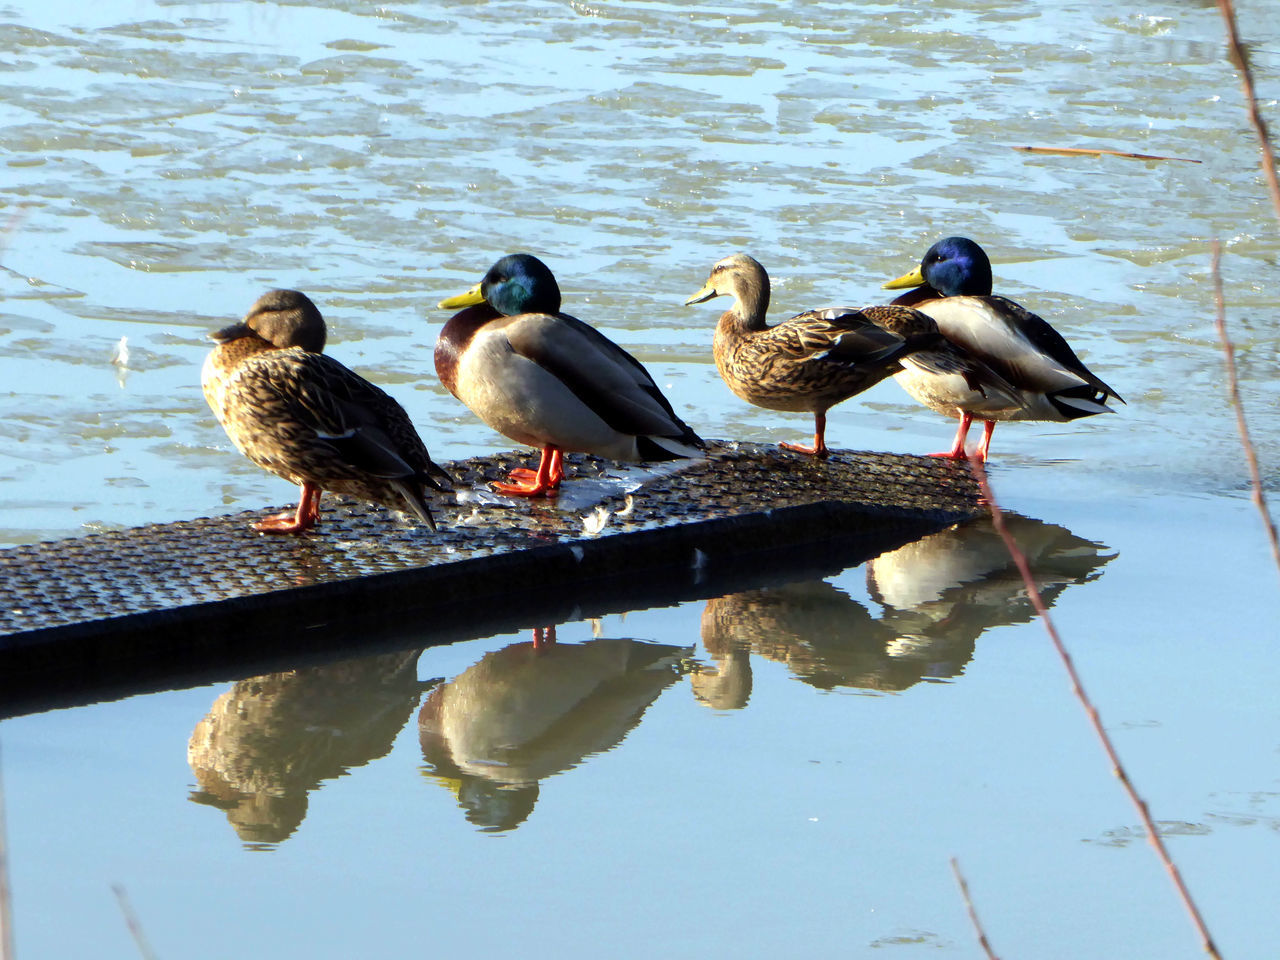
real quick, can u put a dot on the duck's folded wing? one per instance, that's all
(603, 376)
(838, 334)
(949, 360)
(1046, 340)
(1016, 343)
(365, 427)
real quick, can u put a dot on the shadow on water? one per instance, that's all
(537, 708)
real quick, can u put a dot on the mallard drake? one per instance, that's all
(954, 267)
(818, 358)
(307, 418)
(546, 379)
(1051, 381)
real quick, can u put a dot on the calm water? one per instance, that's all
(780, 773)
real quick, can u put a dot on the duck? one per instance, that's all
(548, 380)
(305, 417)
(824, 637)
(953, 285)
(530, 711)
(818, 358)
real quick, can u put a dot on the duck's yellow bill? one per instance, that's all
(452, 784)
(913, 279)
(706, 293)
(468, 299)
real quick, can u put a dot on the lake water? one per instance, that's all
(776, 774)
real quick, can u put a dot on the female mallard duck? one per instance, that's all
(818, 358)
(548, 380)
(1051, 382)
(307, 418)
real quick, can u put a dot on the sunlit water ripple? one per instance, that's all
(167, 163)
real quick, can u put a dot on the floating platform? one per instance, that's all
(171, 605)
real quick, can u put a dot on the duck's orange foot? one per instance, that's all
(528, 489)
(543, 482)
(304, 518)
(814, 451)
(525, 477)
(284, 523)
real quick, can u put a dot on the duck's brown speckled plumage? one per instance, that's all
(307, 418)
(817, 358)
(807, 363)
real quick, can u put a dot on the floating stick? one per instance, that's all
(1089, 152)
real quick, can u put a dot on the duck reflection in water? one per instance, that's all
(531, 710)
(938, 596)
(962, 581)
(270, 740)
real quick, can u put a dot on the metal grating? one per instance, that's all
(163, 598)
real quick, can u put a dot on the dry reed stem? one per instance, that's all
(1241, 60)
(1033, 593)
(973, 914)
(6, 895)
(131, 920)
(1233, 390)
(1089, 152)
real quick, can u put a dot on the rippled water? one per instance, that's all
(164, 163)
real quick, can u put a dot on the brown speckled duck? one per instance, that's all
(307, 418)
(818, 358)
(546, 379)
(953, 286)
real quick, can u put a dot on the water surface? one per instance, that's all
(762, 774)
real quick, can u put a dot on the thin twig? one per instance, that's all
(973, 914)
(1241, 60)
(131, 920)
(1233, 390)
(1090, 152)
(1033, 593)
(6, 894)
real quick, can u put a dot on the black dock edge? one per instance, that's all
(746, 517)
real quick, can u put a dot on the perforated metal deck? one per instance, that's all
(207, 599)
